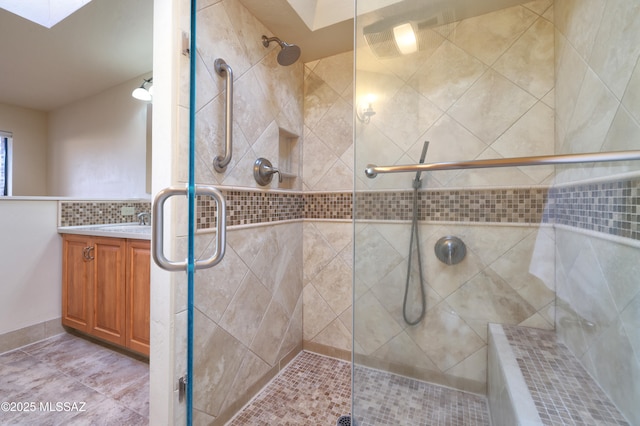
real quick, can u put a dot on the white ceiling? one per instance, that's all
(101, 45)
(107, 42)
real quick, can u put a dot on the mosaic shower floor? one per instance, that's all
(316, 390)
(563, 391)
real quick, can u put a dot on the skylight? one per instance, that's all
(318, 14)
(43, 12)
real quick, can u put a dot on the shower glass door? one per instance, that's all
(245, 104)
(440, 255)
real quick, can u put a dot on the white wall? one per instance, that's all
(29, 128)
(97, 146)
(31, 263)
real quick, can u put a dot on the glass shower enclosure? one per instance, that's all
(442, 254)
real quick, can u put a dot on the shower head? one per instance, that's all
(289, 53)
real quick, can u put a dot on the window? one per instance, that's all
(5, 163)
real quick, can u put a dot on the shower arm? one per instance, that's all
(544, 160)
(220, 163)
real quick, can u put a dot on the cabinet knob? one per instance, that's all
(86, 253)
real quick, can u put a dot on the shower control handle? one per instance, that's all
(450, 250)
(263, 172)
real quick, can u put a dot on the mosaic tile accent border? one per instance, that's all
(80, 213)
(561, 388)
(251, 207)
(608, 207)
(337, 205)
(514, 205)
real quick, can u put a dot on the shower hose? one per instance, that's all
(417, 183)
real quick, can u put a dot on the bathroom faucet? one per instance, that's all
(144, 218)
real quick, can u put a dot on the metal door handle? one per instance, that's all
(157, 230)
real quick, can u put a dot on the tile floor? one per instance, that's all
(563, 391)
(387, 399)
(111, 388)
(315, 390)
(311, 390)
(67, 380)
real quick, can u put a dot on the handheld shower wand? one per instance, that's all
(417, 183)
(417, 180)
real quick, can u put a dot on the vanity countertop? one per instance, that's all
(119, 230)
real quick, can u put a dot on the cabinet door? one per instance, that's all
(76, 274)
(108, 285)
(138, 295)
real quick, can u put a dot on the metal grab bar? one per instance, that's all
(220, 162)
(157, 230)
(543, 160)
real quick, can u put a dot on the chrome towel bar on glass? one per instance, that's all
(544, 160)
(224, 70)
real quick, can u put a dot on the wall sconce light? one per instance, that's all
(364, 110)
(145, 91)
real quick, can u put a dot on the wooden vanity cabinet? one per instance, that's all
(105, 289)
(138, 299)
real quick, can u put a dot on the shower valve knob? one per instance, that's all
(450, 250)
(263, 172)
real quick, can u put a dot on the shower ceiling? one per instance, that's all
(324, 28)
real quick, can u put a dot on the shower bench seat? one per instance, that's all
(535, 380)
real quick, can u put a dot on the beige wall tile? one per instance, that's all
(529, 61)
(497, 30)
(631, 99)
(271, 333)
(218, 361)
(570, 69)
(538, 6)
(446, 75)
(616, 47)
(488, 298)
(592, 117)
(373, 326)
(334, 285)
(245, 312)
(617, 371)
(335, 335)
(336, 71)
(491, 106)
(444, 337)
(316, 313)
(579, 21)
(404, 351)
(531, 135)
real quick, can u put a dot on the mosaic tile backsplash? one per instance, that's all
(80, 213)
(606, 207)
